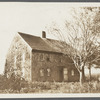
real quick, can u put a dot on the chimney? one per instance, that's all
(43, 34)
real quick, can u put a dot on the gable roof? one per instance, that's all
(42, 44)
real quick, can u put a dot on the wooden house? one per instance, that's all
(39, 59)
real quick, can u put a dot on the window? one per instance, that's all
(65, 71)
(41, 72)
(48, 59)
(72, 73)
(65, 74)
(48, 72)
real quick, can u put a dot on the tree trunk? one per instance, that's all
(82, 76)
(89, 73)
(81, 79)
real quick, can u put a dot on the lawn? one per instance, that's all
(56, 87)
(19, 85)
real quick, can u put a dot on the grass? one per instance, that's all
(56, 87)
(18, 85)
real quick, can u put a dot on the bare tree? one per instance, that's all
(81, 36)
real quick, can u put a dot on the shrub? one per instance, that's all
(16, 84)
(13, 83)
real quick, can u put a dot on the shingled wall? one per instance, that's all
(18, 58)
(56, 63)
(28, 63)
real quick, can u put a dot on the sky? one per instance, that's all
(32, 18)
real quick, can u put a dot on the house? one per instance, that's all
(39, 59)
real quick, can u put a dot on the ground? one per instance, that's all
(16, 84)
(56, 87)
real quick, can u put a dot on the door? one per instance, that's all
(65, 74)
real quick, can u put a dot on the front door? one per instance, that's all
(65, 74)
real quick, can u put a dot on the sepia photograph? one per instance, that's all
(49, 48)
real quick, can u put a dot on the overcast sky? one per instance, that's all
(30, 18)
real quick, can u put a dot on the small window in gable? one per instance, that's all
(72, 72)
(41, 72)
(48, 72)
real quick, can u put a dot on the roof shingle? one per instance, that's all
(42, 44)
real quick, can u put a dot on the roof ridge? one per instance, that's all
(28, 34)
(37, 36)
(43, 44)
(52, 39)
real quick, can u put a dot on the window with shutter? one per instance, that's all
(48, 71)
(72, 72)
(41, 72)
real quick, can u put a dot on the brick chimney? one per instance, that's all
(43, 34)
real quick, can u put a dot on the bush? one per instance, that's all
(13, 83)
(16, 84)
(63, 87)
